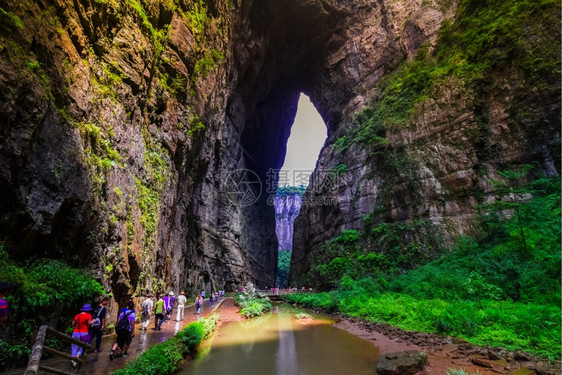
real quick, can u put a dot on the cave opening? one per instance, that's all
(306, 140)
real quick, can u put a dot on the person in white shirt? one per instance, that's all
(181, 305)
(147, 305)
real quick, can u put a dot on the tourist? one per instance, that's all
(166, 299)
(98, 323)
(147, 306)
(4, 287)
(181, 306)
(159, 308)
(81, 324)
(125, 330)
(198, 303)
(170, 307)
(211, 299)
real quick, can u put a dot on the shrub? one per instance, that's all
(42, 292)
(192, 336)
(164, 358)
(251, 302)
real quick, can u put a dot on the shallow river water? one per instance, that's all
(278, 344)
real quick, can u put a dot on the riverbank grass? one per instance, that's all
(166, 357)
(499, 288)
(513, 325)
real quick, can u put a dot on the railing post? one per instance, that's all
(35, 357)
(33, 365)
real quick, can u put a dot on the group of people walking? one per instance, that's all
(162, 309)
(90, 323)
(212, 298)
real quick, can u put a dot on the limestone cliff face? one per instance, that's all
(137, 138)
(116, 144)
(287, 207)
(433, 171)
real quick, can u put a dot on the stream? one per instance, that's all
(277, 343)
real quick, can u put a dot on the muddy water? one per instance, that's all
(278, 344)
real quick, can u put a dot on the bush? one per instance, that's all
(43, 292)
(191, 336)
(164, 358)
(252, 303)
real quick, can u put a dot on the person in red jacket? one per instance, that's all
(81, 324)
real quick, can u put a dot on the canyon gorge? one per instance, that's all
(138, 138)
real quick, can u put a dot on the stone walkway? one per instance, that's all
(99, 363)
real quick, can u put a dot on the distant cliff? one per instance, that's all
(287, 203)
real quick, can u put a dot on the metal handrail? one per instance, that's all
(33, 366)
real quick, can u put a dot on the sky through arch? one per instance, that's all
(307, 138)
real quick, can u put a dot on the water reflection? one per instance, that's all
(278, 344)
(286, 361)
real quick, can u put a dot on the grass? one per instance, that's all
(515, 326)
(303, 315)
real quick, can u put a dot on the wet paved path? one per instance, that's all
(99, 363)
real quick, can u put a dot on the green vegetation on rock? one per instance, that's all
(516, 38)
(11, 19)
(389, 248)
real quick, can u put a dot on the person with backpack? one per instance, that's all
(198, 303)
(170, 306)
(147, 306)
(98, 323)
(125, 330)
(81, 323)
(159, 310)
